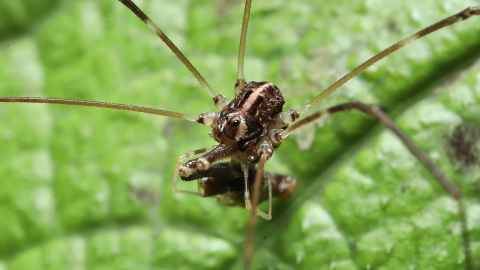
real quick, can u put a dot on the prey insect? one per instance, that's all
(249, 127)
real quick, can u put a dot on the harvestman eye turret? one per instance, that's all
(250, 126)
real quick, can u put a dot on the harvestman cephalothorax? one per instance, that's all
(250, 126)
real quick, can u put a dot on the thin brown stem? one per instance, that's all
(142, 16)
(251, 229)
(461, 16)
(243, 44)
(96, 104)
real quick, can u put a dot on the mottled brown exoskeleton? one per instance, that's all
(253, 124)
(248, 129)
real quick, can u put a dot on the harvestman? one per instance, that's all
(252, 125)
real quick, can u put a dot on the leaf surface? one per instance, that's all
(91, 189)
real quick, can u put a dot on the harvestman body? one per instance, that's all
(252, 125)
(248, 128)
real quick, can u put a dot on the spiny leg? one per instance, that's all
(384, 119)
(243, 44)
(149, 22)
(461, 16)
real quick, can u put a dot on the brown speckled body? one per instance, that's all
(244, 127)
(247, 119)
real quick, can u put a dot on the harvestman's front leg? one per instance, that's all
(381, 116)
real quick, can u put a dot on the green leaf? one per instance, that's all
(91, 189)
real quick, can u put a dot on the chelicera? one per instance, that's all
(250, 126)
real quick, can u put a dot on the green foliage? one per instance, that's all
(69, 174)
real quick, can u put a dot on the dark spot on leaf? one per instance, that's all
(463, 144)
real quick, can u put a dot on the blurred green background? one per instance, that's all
(69, 176)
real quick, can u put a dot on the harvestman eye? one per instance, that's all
(233, 171)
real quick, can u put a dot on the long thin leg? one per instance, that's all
(440, 177)
(96, 104)
(461, 16)
(250, 233)
(243, 44)
(142, 16)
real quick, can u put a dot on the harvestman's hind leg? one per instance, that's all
(181, 160)
(441, 178)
